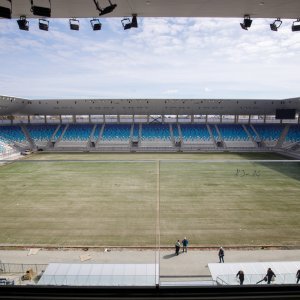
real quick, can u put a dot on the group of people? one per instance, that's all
(184, 244)
(270, 276)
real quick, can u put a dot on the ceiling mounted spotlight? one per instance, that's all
(74, 24)
(134, 23)
(5, 12)
(247, 22)
(96, 25)
(23, 23)
(297, 26)
(108, 9)
(41, 11)
(276, 24)
(43, 24)
(127, 24)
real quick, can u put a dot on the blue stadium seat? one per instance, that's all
(193, 132)
(233, 132)
(78, 132)
(12, 133)
(156, 132)
(269, 132)
(116, 132)
(293, 134)
(41, 132)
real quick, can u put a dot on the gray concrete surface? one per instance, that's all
(193, 263)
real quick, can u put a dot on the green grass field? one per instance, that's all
(114, 200)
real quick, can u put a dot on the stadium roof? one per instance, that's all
(166, 8)
(11, 106)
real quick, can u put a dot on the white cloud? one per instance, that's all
(198, 56)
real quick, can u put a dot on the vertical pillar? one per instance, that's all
(221, 119)
(118, 119)
(28, 119)
(74, 118)
(90, 119)
(148, 119)
(176, 118)
(192, 119)
(60, 119)
(45, 119)
(249, 119)
(206, 118)
(103, 118)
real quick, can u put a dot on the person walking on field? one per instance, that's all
(177, 247)
(185, 244)
(221, 254)
(241, 276)
(298, 276)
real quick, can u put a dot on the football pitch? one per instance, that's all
(110, 200)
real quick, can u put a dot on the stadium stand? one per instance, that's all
(41, 134)
(155, 135)
(269, 133)
(233, 135)
(150, 137)
(75, 135)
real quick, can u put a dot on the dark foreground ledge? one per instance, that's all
(85, 293)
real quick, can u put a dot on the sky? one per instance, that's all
(176, 58)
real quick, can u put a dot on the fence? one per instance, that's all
(21, 268)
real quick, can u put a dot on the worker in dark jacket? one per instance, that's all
(185, 244)
(298, 276)
(241, 276)
(270, 275)
(221, 254)
(177, 247)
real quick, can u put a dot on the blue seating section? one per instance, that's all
(156, 132)
(41, 132)
(293, 134)
(175, 132)
(59, 132)
(12, 133)
(78, 132)
(233, 132)
(269, 132)
(136, 129)
(116, 132)
(194, 132)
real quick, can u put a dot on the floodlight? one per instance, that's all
(43, 24)
(296, 27)
(41, 11)
(96, 25)
(134, 22)
(5, 12)
(247, 22)
(108, 9)
(74, 24)
(23, 23)
(126, 23)
(276, 24)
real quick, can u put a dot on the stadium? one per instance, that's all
(117, 175)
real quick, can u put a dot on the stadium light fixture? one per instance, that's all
(276, 24)
(108, 9)
(74, 24)
(5, 12)
(247, 22)
(41, 11)
(23, 23)
(134, 23)
(43, 24)
(96, 25)
(127, 24)
(296, 27)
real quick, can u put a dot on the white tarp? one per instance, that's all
(100, 274)
(225, 273)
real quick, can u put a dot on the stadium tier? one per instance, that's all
(153, 136)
